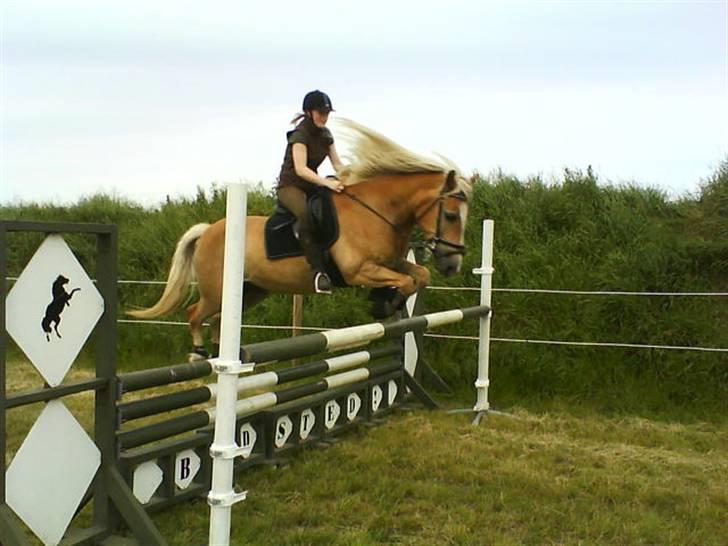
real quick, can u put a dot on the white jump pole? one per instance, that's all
(228, 366)
(486, 279)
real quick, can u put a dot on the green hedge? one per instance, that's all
(573, 234)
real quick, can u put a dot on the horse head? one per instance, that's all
(444, 221)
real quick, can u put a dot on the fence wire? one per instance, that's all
(496, 339)
(511, 290)
(586, 343)
(466, 338)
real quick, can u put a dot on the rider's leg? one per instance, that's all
(294, 199)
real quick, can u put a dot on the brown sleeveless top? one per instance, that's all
(317, 141)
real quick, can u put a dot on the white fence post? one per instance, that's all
(486, 279)
(224, 449)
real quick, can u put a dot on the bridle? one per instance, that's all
(431, 243)
(434, 242)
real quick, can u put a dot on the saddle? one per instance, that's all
(281, 231)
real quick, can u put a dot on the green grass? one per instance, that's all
(553, 472)
(431, 478)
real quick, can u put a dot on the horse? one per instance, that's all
(61, 300)
(388, 190)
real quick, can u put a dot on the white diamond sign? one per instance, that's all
(186, 467)
(377, 395)
(51, 472)
(391, 392)
(353, 405)
(410, 353)
(52, 309)
(284, 427)
(147, 479)
(332, 411)
(308, 420)
(248, 437)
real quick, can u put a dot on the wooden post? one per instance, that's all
(297, 315)
(297, 320)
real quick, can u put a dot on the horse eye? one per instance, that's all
(451, 216)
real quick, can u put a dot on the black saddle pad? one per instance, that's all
(280, 236)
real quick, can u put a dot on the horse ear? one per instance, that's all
(450, 183)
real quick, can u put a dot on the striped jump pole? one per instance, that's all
(166, 375)
(247, 406)
(156, 405)
(271, 351)
(354, 336)
(165, 462)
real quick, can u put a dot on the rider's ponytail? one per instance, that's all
(297, 118)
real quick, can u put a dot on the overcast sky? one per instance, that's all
(147, 99)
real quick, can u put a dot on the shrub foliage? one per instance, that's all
(572, 234)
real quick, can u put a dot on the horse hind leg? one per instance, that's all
(55, 327)
(252, 295)
(196, 315)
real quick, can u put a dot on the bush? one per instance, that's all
(574, 234)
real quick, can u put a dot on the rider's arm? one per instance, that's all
(334, 158)
(300, 155)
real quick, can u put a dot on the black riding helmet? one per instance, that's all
(317, 100)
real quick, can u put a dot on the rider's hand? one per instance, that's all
(334, 185)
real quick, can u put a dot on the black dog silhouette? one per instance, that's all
(61, 299)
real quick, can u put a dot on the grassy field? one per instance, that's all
(547, 475)
(432, 478)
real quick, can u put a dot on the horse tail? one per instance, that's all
(181, 273)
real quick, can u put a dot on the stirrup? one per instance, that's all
(322, 283)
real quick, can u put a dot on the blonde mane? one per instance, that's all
(373, 154)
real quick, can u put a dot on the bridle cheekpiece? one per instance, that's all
(434, 242)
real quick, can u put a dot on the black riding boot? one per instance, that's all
(315, 257)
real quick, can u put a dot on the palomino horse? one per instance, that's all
(388, 191)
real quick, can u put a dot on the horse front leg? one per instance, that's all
(395, 299)
(215, 334)
(420, 275)
(380, 277)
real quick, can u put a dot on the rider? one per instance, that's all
(308, 145)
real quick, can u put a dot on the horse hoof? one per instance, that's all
(380, 310)
(397, 303)
(382, 293)
(386, 301)
(194, 357)
(197, 354)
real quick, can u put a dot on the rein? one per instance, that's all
(395, 227)
(432, 243)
